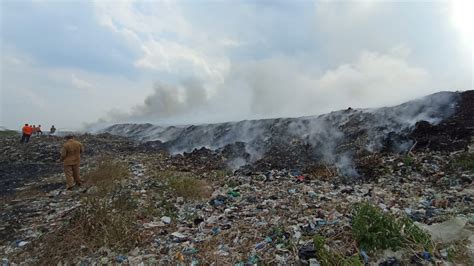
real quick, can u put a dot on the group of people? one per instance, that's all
(29, 130)
(70, 153)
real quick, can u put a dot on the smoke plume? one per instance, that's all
(283, 87)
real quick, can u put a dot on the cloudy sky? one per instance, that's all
(172, 62)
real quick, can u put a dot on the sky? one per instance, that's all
(80, 63)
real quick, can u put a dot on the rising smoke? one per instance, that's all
(282, 87)
(331, 138)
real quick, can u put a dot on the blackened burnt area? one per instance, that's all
(454, 133)
(16, 175)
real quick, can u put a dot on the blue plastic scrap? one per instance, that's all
(426, 255)
(364, 256)
(120, 258)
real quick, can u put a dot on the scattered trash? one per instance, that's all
(178, 237)
(220, 200)
(5, 262)
(444, 253)
(166, 219)
(392, 261)
(153, 224)
(300, 178)
(260, 245)
(190, 251)
(364, 256)
(22, 243)
(259, 213)
(179, 256)
(233, 193)
(120, 258)
(216, 230)
(252, 260)
(426, 255)
(314, 262)
(307, 252)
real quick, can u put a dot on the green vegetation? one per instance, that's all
(375, 230)
(280, 236)
(408, 160)
(106, 174)
(184, 184)
(187, 187)
(327, 257)
(98, 222)
(464, 161)
(8, 133)
(233, 183)
(458, 253)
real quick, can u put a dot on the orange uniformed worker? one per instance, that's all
(71, 158)
(27, 130)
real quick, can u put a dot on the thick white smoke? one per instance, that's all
(283, 87)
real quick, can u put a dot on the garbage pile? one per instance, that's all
(354, 187)
(441, 121)
(234, 218)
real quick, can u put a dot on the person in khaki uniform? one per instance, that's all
(71, 158)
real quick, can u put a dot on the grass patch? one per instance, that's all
(8, 133)
(375, 230)
(464, 161)
(458, 253)
(98, 222)
(327, 257)
(106, 173)
(188, 187)
(185, 184)
(408, 160)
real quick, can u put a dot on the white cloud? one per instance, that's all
(32, 99)
(283, 86)
(370, 63)
(62, 96)
(226, 61)
(166, 40)
(82, 84)
(175, 58)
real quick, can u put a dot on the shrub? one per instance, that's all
(327, 257)
(408, 160)
(464, 161)
(8, 133)
(98, 222)
(187, 186)
(106, 173)
(375, 230)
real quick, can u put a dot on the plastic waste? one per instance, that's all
(364, 256)
(120, 258)
(307, 251)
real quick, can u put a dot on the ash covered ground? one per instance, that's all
(383, 186)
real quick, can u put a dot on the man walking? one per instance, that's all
(27, 130)
(52, 130)
(38, 130)
(71, 158)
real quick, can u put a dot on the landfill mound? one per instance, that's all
(409, 200)
(442, 121)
